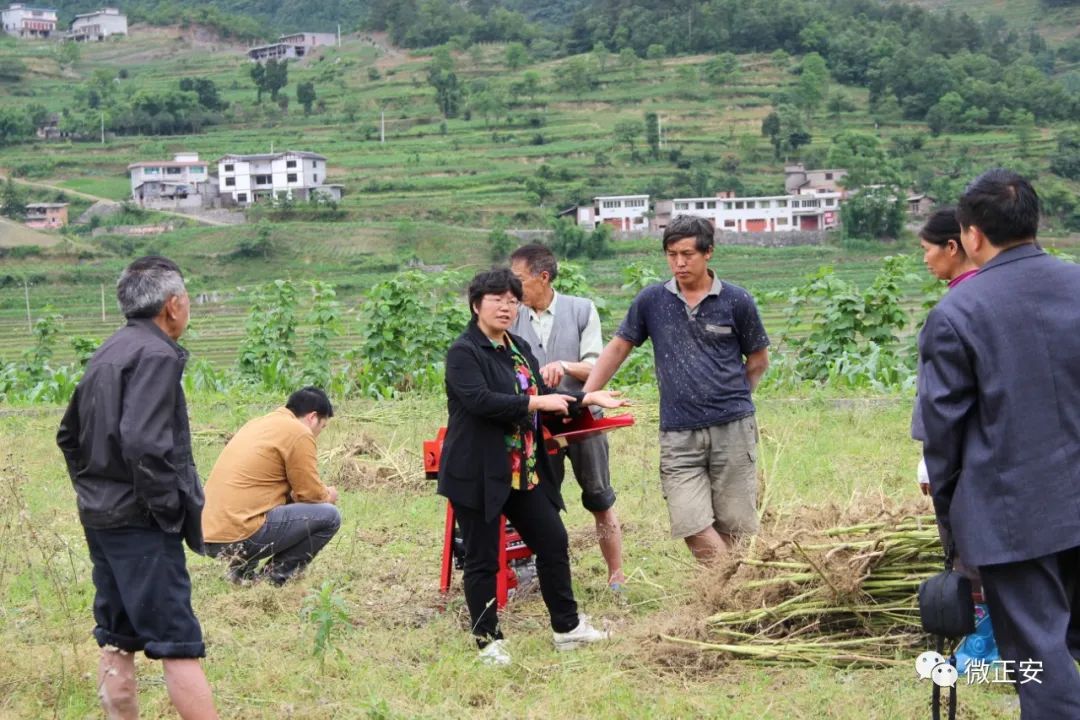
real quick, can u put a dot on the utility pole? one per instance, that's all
(29, 322)
(103, 302)
(102, 127)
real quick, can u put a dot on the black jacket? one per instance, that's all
(126, 439)
(474, 469)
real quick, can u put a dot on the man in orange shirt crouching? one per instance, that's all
(264, 498)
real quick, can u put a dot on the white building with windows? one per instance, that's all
(183, 182)
(291, 47)
(28, 22)
(98, 25)
(248, 179)
(622, 212)
(776, 213)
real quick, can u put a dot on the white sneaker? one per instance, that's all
(495, 653)
(583, 634)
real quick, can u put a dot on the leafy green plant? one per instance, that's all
(267, 354)
(408, 324)
(323, 317)
(326, 610)
(839, 331)
(638, 275)
(571, 281)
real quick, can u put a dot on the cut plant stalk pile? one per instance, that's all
(843, 595)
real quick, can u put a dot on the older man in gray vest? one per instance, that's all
(564, 332)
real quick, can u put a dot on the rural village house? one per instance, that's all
(28, 22)
(98, 25)
(289, 47)
(183, 182)
(43, 216)
(247, 179)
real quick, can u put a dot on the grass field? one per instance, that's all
(399, 656)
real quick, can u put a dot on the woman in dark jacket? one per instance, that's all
(494, 463)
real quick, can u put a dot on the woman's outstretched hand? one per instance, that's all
(605, 398)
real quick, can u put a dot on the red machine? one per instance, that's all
(511, 546)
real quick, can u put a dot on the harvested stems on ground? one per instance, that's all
(810, 593)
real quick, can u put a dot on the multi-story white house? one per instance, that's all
(775, 213)
(183, 182)
(287, 47)
(800, 181)
(622, 212)
(98, 25)
(297, 175)
(28, 22)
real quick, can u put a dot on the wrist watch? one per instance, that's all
(562, 364)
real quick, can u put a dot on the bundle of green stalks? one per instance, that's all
(811, 594)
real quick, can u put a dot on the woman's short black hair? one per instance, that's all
(492, 282)
(941, 227)
(310, 399)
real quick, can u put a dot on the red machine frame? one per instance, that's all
(511, 546)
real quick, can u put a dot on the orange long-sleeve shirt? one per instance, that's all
(269, 459)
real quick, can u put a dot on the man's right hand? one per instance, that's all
(332, 491)
(923, 477)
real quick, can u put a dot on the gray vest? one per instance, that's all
(564, 343)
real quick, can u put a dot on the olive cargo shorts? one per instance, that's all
(709, 477)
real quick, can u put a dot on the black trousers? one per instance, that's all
(537, 520)
(1035, 610)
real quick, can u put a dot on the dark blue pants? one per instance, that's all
(1034, 607)
(142, 593)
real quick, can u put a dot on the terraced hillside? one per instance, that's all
(430, 191)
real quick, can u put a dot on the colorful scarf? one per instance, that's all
(521, 443)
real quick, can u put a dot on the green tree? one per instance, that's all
(1024, 122)
(12, 69)
(1066, 161)
(786, 129)
(864, 158)
(600, 56)
(656, 52)
(12, 202)
(258, 76)
(14, 125)
(277, 76)
(449, 92)
(537, 190)
(576, 75)
(627, 132)
(516, 56)
(813, 84)
(873, 213)
(500, 242)
(305, 95)
(68, 53)
(652, 134)
(488, 102)
(628, 60)
(722, 69)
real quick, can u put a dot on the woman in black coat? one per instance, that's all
(494, 463)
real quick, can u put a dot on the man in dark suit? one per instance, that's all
(1000, 400)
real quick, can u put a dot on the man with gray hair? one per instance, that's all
(564, 333)
(127, 444)
(710, 350)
